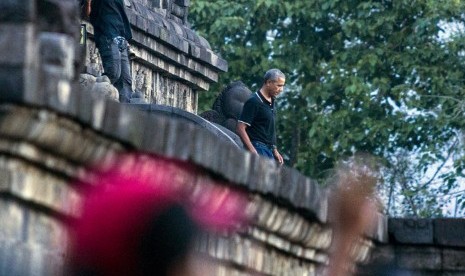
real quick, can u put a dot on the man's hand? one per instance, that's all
(278, 157)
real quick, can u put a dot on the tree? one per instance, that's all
(374, 76)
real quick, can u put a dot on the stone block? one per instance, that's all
(411, 231)
(266, 175)
(17, 260)
(154, 30)
(449, 232)
(379, 231)
(17, 45)
(194, 50)
(179, 141)
(44, 231)
(206, 55)
(58, 93)
(263, 174)
(19, 85)
(236, 168)
(98, 106)
(427, 258)
(111, 117)
(286, 185)
(311, 193)
(39, 187)
(206, 148)
(381, 255)
(155, 134)
(11, 217)
(183, 3)
(57, 52)
(131, 125)
(141, 23)
(453, 259)
(298, 197)
(17, 10)
(84, 106)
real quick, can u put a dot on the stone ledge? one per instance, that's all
(176, 73)
(172, 33)
(10, 36)
(449, 232)
(441, 232)
(167, 137)
(411, 231)
(17, 11)
(155, 48)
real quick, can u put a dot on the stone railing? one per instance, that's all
(421, 247)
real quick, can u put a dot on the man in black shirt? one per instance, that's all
(112, 33)
(256, 126)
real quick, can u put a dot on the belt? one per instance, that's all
(121, 42)
(271, 147)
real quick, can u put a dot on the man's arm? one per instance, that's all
(240, 129)
(276, 153)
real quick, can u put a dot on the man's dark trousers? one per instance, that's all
(115, 60)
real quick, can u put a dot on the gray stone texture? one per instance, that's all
(18, 63)
(449, 232)
(453, 260)
(419, 258)
(17, 11)
(411, 231)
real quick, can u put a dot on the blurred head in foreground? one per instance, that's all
(144, 222)
(353, 211)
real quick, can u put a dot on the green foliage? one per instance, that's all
(369, 76)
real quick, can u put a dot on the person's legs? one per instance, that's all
(263, 149)
(111, 59)
(116, 66)
(125, 80)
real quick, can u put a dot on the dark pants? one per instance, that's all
(263, 149)
(116, 66)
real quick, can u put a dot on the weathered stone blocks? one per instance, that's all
(18, 64)
(424, 258)
(411, 231)
(17, 11)
(449, 232)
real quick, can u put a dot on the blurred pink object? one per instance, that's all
(125, 197)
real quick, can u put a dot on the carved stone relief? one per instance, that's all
(94, 66)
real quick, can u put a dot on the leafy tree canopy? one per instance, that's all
(384, 77)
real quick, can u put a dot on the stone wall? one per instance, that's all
(172, 64)
(289, 234)
(423, 247)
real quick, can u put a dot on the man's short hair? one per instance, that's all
(273, 74)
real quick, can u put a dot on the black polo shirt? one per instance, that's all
(109, 19)
(259, 115)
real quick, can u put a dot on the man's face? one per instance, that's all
(275, 87)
